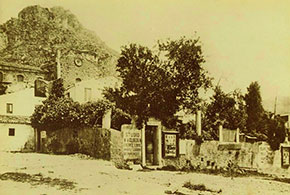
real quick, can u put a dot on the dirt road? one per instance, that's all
(32, 173)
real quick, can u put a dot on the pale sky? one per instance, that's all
(243, 40)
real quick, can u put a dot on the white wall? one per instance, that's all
(23, 133)
(23, 102)
(77, 93)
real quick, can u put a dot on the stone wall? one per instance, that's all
(213, 154)
(91, 141)
(96, 142)
(116, 146)
(84, 69)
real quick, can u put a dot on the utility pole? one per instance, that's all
(275, 106)
(58, 67)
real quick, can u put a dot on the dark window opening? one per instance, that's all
(11, 132)
(78, 80)
(20, 78)
(9, 108)
(1, 77)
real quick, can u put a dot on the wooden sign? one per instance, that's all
(43, 134)
(285, 156)
(170, 148)
(131, 144)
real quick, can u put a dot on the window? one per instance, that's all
(88, 94)
(20, 78)
(1, 77)
(40, 88)
(9, 108)
(11, 132)
(78, 80)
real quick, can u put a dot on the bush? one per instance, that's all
(57, 113)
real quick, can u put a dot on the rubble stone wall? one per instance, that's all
(85, 70)
(213, 154)
(116, 148)
(95, 142)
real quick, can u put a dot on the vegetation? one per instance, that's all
(158, 84)
(264, 125)
(254, 107)
(225, 109)
(35, 36)
(199, 187)
(58, 111)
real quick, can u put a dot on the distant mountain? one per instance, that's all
(34, 37)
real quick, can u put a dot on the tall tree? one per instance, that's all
(159, 84)
(226, 109)
(254, 107)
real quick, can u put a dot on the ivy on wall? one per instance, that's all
(63, 112)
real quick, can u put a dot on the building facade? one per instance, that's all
(16, 133)
(15, 77)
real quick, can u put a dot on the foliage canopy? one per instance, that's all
(159, 83)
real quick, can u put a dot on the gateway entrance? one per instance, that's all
(151, 145)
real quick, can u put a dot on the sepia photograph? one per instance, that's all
(145, 97)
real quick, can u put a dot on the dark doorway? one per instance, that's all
(151, 143)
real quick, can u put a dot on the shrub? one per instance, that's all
(63, 112)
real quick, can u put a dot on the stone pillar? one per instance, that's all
(198, 122)
(159, 134)
(143, 149)
(238, 136)
(220, 133)
(106, 120)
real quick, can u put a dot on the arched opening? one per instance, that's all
(20, 78)
(78, 80)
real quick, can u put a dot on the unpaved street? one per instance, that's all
(50, 174)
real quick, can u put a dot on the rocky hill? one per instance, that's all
(35, 36)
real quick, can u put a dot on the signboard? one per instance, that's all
(170, 148)
(131, 144)
(43, 134)
(285, 156)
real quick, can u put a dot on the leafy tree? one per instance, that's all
(119, 118)
(254, 107)
(183, 62)
(57, 89)
(276, 132)
(58, 111)
(225, 109)
(157, 84)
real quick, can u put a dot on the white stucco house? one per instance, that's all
(16, 133)
(91, 90)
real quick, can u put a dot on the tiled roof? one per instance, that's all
(5, 65)
(15, 119)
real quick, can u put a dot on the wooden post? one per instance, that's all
(238, 136)
(159, 134)
(198, 122)
(220, 133)
(143, 151)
